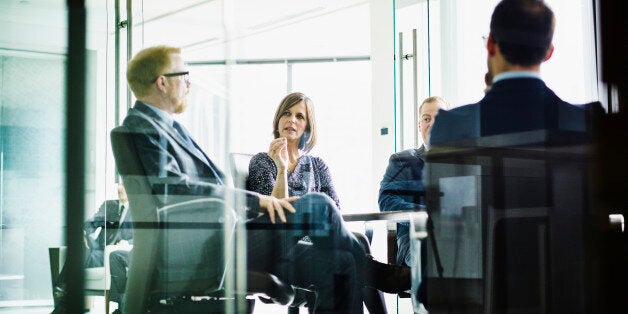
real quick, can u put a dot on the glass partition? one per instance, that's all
(32, 129)
(366, 65)
(33, 121)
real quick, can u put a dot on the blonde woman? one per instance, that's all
(287, 169)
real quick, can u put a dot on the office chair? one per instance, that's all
(515, 224)
(168, 272)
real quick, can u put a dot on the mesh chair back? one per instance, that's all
(178, 249)
(239, 163)
(191, 257)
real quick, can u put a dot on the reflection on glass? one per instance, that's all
(231, 104)
(32, 173)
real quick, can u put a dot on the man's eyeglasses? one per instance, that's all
(186, 76)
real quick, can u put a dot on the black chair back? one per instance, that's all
(512, 224)
(239, 163)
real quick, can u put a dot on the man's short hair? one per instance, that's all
(147, 66)
(442, 102)
(523, 29)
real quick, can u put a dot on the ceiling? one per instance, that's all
(297, 27)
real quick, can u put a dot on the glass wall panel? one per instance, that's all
(32, 150)
(254, 91)
(458, 42)
(259, 54)
(244, 56)
(341, 94)
(32, 173)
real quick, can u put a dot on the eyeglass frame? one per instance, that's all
(186, 74)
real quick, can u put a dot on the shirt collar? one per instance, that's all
(162, 114)
(516, 74)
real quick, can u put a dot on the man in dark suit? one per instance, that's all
(178, 169)
(109, 225)
(518, 100)
(119, 259)
(402, 185)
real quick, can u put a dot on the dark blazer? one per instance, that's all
(107, 217)
(402, 185)
(512, 105)
(175, 168)
(402, 189)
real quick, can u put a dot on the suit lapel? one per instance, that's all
(420, 152)
(172, 132)
(417, 168)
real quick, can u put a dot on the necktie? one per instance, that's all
(177, 126)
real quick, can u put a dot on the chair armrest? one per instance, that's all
(391, 217)
(419, 226)
(419, 217)
(398, 215)
(115, 247)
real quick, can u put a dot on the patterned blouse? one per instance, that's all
(311, 174)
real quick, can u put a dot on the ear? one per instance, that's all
(490, 46)
(160, 83)
(550, 51)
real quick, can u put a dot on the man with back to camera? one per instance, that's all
(171, 159)
(518, 100)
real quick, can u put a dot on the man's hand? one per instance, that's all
(123, 243)
(274, 205)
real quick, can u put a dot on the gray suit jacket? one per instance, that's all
(176, 169)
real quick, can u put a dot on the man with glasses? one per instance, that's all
(178, 169)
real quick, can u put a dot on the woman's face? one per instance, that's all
(293, 122)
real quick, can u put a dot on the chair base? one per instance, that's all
(187, 306)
